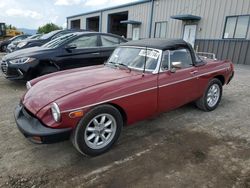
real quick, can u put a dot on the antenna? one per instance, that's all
(145, 61)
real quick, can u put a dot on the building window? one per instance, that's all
(160, 29)
(76, 24)
(236, 27)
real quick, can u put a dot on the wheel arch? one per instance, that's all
(118, 107)
(122, 111)
(221, 78)
(45, 63)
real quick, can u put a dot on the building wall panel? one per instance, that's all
(247, 59)
(140, 12)
(243, 51)
(212, 12)
(238, 51)
(210, 28)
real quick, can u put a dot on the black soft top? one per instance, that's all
(161, 44)
(164, 44)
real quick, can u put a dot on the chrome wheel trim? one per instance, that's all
(213, 95)
(100, 131)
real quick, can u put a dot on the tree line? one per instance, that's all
(42, 29)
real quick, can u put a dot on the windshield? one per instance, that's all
(37, 36)
(135, 58)
(48, 35)
(59, 41)
(14, 38)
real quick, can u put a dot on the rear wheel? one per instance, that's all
(98, 130)
(212, 96)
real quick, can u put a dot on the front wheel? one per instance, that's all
(212, 96)
(3, 48)
(98, 130)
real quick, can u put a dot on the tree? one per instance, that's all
(48, 28)
(10, 27)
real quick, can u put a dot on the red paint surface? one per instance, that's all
(140, 96)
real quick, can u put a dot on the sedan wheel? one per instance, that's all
(98, 130)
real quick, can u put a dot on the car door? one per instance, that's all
(108, 44)
(176, 86)
(81, 52)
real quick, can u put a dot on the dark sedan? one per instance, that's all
(5, 43)
(69, 51)
(43, 39)
(12, 46)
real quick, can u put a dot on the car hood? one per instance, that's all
(27, 52)
(15, 42)
(50, 89)
(27, 40)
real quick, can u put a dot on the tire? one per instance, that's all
(206, 104)
(47, 70)
(88, 137)
(3, 48)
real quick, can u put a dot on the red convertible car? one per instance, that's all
(141, 79)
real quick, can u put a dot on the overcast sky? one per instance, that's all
(34, 13)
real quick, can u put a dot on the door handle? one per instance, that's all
(194, 72)
(96, 53)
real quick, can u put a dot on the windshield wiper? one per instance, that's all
(119, 65)
(111, 63)
(123, 65)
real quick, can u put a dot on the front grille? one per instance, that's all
(4, 67)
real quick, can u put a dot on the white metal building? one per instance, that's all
(201, 22)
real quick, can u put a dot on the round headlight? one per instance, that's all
(55, 112)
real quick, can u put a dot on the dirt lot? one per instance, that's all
(182, 148)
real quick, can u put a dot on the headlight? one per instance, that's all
(21, 44)
(28, 85)
(22, 60)
(55, 112)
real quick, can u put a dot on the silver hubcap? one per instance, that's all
(213, 95)
(100, 131)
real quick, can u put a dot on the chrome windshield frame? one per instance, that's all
(157, 68)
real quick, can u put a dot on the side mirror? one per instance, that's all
(70, 47)
(175, 65)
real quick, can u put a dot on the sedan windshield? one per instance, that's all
(135, 58)
(50, 34)
(37, 36)
(59, 41)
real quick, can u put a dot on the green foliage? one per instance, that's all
(10, 27)
(48, 28)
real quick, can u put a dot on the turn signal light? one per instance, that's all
(76, 114)
(36, 139)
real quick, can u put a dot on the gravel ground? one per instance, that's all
(182, 148)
